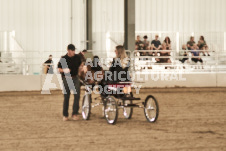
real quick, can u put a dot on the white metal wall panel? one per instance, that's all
(108, 19)
(181, 15)
(43, 25)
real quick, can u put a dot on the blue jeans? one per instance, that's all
(74, 85)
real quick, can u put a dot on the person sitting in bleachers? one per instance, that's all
(190, 43)
(164, 53)
(167, 41)
(139, 45)
(184, 53)
(146, 43)
(48, 64)
(156, 44)
(203, 46)
(195, 53)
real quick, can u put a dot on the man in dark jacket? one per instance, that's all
(68, 67)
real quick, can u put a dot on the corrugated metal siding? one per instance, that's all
(42, 25)
(181, 15)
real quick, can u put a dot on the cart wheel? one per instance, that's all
(151, 109)
(111, 110)
(86, 106)
(128, 111)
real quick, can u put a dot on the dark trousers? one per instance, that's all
(196, 60)
(71, 83)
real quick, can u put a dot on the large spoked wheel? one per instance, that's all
(151, 109)
(86, 106)
(111, 110)
(128, 111)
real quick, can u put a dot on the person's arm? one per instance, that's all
(61, 70)
(152, 44)
(142, 44)
(188, 45)
(136, 47)
(160, 46)
(199, 43)
(136, 43)
(45, 63)
(66, 70)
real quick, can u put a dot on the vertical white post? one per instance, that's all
(8, 41)
(160, 35)
(5, 41)
(13, 39)
(178, 42)
(0, 41)
(84, 24)
(108, 43)
(224, 41)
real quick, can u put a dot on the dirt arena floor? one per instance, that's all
(190, 119)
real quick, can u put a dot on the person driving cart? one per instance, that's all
(120, 65)
(118, 74)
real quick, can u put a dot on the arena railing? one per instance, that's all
(216, 62)
(33, 63)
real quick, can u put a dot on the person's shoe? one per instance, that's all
(208, 54)
(75, 117)
(65, 118)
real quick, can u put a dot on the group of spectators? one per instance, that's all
(163, 49)
(195, 49)
(154, 45)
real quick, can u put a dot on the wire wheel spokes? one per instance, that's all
(111, 110)
(151, 109)
(127, 111)
(86, 106)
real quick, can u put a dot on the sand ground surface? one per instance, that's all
(189, 119)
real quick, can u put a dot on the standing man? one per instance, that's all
(68, 67)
